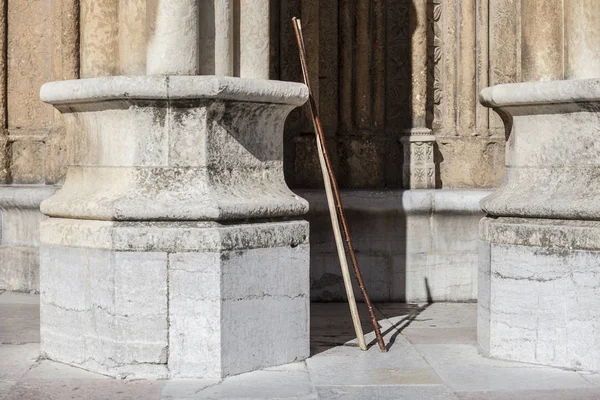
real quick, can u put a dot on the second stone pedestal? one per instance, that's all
(174, 248)
(539, 267)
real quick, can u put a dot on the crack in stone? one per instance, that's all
(525, 278)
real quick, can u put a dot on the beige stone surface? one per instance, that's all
(173, 34)
(471, 162)
(27, 162)
(582, 39)
(254, 39)
(99, 38)
(542, 40)
(29, 50)
(133, 36)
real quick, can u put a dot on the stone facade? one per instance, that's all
(39, 41)
(383, 71)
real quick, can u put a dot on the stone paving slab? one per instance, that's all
(431, 356)
(462, 368)
(284, 383)
(556, 394)
(19, 323)
(18, 298)
(434, 392)
(88, 389)
(15, 361)
(441, 335)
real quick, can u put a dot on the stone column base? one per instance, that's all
(539, 291)
(19, 238)
(174, 299)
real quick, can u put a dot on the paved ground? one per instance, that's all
(432, 356)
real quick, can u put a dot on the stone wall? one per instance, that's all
(381, 70)
(39, 42)
(382, 67)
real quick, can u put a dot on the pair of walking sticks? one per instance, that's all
(336, 211)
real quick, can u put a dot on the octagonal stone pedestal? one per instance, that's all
(539, 267)
(174, 248)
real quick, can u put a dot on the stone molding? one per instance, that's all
(134, 236)
(455, 201)
(556, 233)
(173, 88)
(552, 150)
(24, 196)
(187, 148)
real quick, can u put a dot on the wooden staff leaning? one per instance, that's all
(336, 211)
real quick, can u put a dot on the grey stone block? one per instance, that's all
(177, 314)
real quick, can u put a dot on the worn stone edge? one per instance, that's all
(422, 201)
(24, 196)
(172, 236)
(109, 88)
(546, 92)
(554, 233)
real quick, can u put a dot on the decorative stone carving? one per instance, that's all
(174, 248)
(538, 281)
(419, 166)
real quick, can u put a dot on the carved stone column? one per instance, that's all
(540, 249)
(418, 170)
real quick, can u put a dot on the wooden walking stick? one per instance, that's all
(334, 202)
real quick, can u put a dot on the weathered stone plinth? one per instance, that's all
(540, 243)
(174, 248)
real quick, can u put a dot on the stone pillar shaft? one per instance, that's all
(173, 33)
(224, 37)
(582, 39)
(254, 39)
(541, 40)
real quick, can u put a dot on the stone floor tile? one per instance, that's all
(426, 392)
(85, 389)
(46, 369)
(331, 326)
(19, 323)
(441, 335)
(556, 394)
(19, 298)
(176, 389)
(345, 365)
(593, 378)
(16, 360)
(5, 387)
(439, 315)
(274, 384)
(462, 368)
